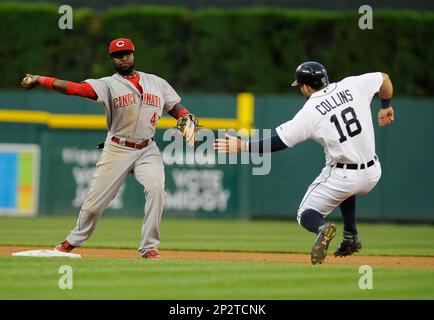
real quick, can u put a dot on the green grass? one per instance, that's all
(221, 235)
(187, 279)
(33, 278)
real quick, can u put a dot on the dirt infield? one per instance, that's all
(297, 258)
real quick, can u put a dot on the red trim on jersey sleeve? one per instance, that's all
(46, 82)
(181, 113)
(82, 89)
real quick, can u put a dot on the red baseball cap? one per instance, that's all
(121, 44)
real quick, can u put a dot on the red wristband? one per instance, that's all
(46, 82)
(181, 113)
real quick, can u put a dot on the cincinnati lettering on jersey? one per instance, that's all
(334, 101)
(151, 99)
(124, 100)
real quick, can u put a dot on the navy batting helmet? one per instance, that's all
(312, 74)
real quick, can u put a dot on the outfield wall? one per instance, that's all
(68, 157)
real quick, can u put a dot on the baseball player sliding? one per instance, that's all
(337, 116)
(133, 102)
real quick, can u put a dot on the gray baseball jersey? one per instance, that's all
(130, 114)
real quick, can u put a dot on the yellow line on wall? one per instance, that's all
(245, 110)
(83, 121)
(244, 120)
(76, 121)
(210, 123)
(39, 117)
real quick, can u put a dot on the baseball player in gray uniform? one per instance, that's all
(133, 102)
(337, 116)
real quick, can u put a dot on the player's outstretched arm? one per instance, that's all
(66, 87)
(231, 144)
(386, 115)
(30, 81)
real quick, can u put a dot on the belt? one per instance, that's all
(131, 144)
(355, 166)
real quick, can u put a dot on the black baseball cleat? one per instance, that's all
(350, 244)
(319, 250)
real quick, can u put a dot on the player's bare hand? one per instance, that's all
(230, 144)
(385, 116)
(30, 81)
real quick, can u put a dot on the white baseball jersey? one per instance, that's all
(130, 114)
(339, 118)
